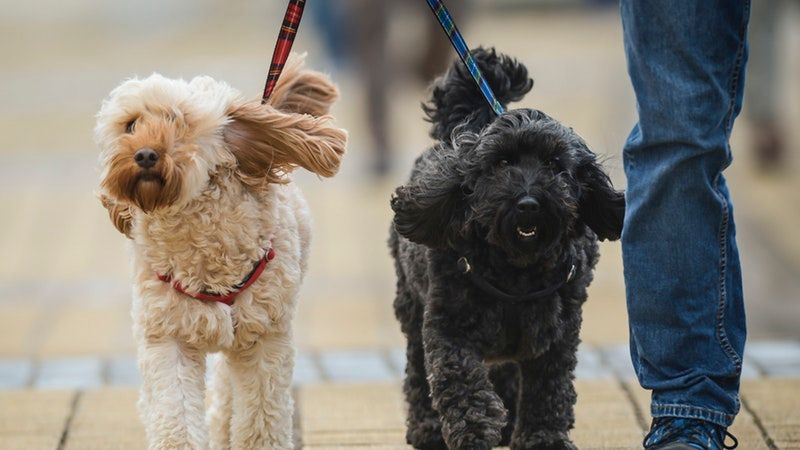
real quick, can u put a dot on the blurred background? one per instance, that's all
(64, 287)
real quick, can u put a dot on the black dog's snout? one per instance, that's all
(528, 205)
(146, 158)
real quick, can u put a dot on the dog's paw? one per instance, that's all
(561, 445)
(426, 435)
(479, 425)
(543, 440)
(430, 445)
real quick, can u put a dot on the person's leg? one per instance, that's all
(372, 33)
(686, 62)
(762, 94)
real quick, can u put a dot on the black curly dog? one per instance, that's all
(495, 240)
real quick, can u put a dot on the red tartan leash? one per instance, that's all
(291, 21)
(228, 299)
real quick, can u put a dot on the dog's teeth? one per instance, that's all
(528, 233)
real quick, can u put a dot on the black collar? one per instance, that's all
(495, 292)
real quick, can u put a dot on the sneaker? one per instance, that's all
(676, 433)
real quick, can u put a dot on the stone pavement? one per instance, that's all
(67, 370)
(610, 414)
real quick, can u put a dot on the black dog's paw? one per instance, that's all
(479, 426)
(543, 441)
(562, 445)
(433, 445)
(426, 435)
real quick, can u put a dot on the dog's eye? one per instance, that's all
(130, 127)
(502, 163)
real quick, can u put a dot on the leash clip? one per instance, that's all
(571, 273)
(463, 265)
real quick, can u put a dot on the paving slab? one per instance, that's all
(305, 369)
(33, 419)
(335, 323)
(18, 325)
(356, 365)
(123, 371)
(775, 403)
(15, 373)
(363, 414)
(618, 358)
(590, 364)
(106, 419)
(89, 330)
(339, 416)
(604, 417)
(69, 373)
(775, 358)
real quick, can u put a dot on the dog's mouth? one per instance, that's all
(526, 232)
(149, 177)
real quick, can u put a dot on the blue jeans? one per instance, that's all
(683, 279)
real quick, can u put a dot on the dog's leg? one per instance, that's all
(505, 378)
(472, 414)
(424, 427)
(262, 398)
(545, 413)
(173, 403)
(221, 409)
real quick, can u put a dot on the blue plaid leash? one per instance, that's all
(450, 28)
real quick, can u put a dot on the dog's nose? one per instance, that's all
(146, 158)
(527, 204)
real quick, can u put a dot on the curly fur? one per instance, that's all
(482, 371)
(218, 195)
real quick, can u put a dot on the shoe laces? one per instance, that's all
(692, 431)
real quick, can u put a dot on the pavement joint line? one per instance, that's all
(759, 424)
(105, 371)
(641, 418)
(36, 369)
(73, 408)
(765, 360)
(386, 354)
(316, 360)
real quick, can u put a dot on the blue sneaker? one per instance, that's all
(676, 433)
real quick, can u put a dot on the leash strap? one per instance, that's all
(465, 268)
(450, 28)
(291, 21)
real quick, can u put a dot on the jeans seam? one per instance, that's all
(691, 411)
(722, 336)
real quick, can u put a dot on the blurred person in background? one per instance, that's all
(357, 31)
(683, 279)
(763, 98)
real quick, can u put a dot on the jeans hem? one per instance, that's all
(692, 412)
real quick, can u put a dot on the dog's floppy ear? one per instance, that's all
(303, 91)
(119, 214)
(428, 210)
(600, 207)
(268, 144)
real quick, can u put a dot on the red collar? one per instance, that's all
(228, 299)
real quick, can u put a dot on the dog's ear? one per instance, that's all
(268, 144)
(600, 207)
(303, 91)
(119, 214)
(429, 209)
